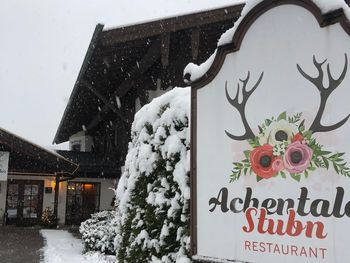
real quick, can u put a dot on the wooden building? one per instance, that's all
(124, 68)
(31, 183)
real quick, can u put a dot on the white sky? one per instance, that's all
(42, 47)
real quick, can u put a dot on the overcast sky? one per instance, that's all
(42, 47)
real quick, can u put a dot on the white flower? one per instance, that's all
(280, 131)
(262, 139)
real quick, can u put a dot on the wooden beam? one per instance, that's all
(67, 179)
(107, 103)
(57, 189)
(98, 95)
(151, 56)
(195, 36)
(140, 85)
(143, 96)
(165, 49)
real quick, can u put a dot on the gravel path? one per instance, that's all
(20, 244)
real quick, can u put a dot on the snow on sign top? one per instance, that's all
(197, 71)
(270, 125)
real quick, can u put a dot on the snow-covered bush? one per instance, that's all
(98, 232)
(153, 193)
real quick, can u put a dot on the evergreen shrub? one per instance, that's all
(153, 192)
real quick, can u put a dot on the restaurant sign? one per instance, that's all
(4, 163)
(271, 139)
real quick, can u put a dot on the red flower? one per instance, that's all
(298, 137)
(261, 159)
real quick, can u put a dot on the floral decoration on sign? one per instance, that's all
(284, 147)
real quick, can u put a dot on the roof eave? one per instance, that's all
(89, 53)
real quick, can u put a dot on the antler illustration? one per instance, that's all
(240, 106)
(316, 126)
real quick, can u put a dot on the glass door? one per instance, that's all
(24, 202)
(12, 203)
(82, 200)
(31, 201)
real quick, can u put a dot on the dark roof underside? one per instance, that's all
(92, 165)
(28, 158)
(122, 59)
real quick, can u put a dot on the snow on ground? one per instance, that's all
(62, 247)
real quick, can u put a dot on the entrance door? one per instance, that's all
(82, 200)
(24, 202)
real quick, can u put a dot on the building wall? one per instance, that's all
(106, 194)
(48, 199)
(3, 191)
(62, 199)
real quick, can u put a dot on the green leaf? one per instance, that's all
(336, 168)
(235, 176)
(283, 174)
(247, 154)
(295, 118)
(237, 165)
(326, 163)
(245, 170)
(258, 178)
(307, 135)
(268, 122)
(250, 171)
(306, 173)
(334, 156)
(246, 162)
(254, 142)
(282, 116)
(296, 177)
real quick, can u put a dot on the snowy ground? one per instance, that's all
(62, 247)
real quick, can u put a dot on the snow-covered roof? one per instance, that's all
(194, 72)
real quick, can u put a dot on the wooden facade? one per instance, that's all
(124, 68)
(127, 66)
(31, 169)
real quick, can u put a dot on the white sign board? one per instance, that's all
(4, 163)
(271, 163)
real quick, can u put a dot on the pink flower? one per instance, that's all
(297, 157)
(278, 164)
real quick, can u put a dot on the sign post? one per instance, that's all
(270, 140)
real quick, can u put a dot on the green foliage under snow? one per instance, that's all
(153, 193)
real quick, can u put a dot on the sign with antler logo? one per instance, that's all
(271, 140)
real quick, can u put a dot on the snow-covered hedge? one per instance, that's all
(98, 232)
(153, 193)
